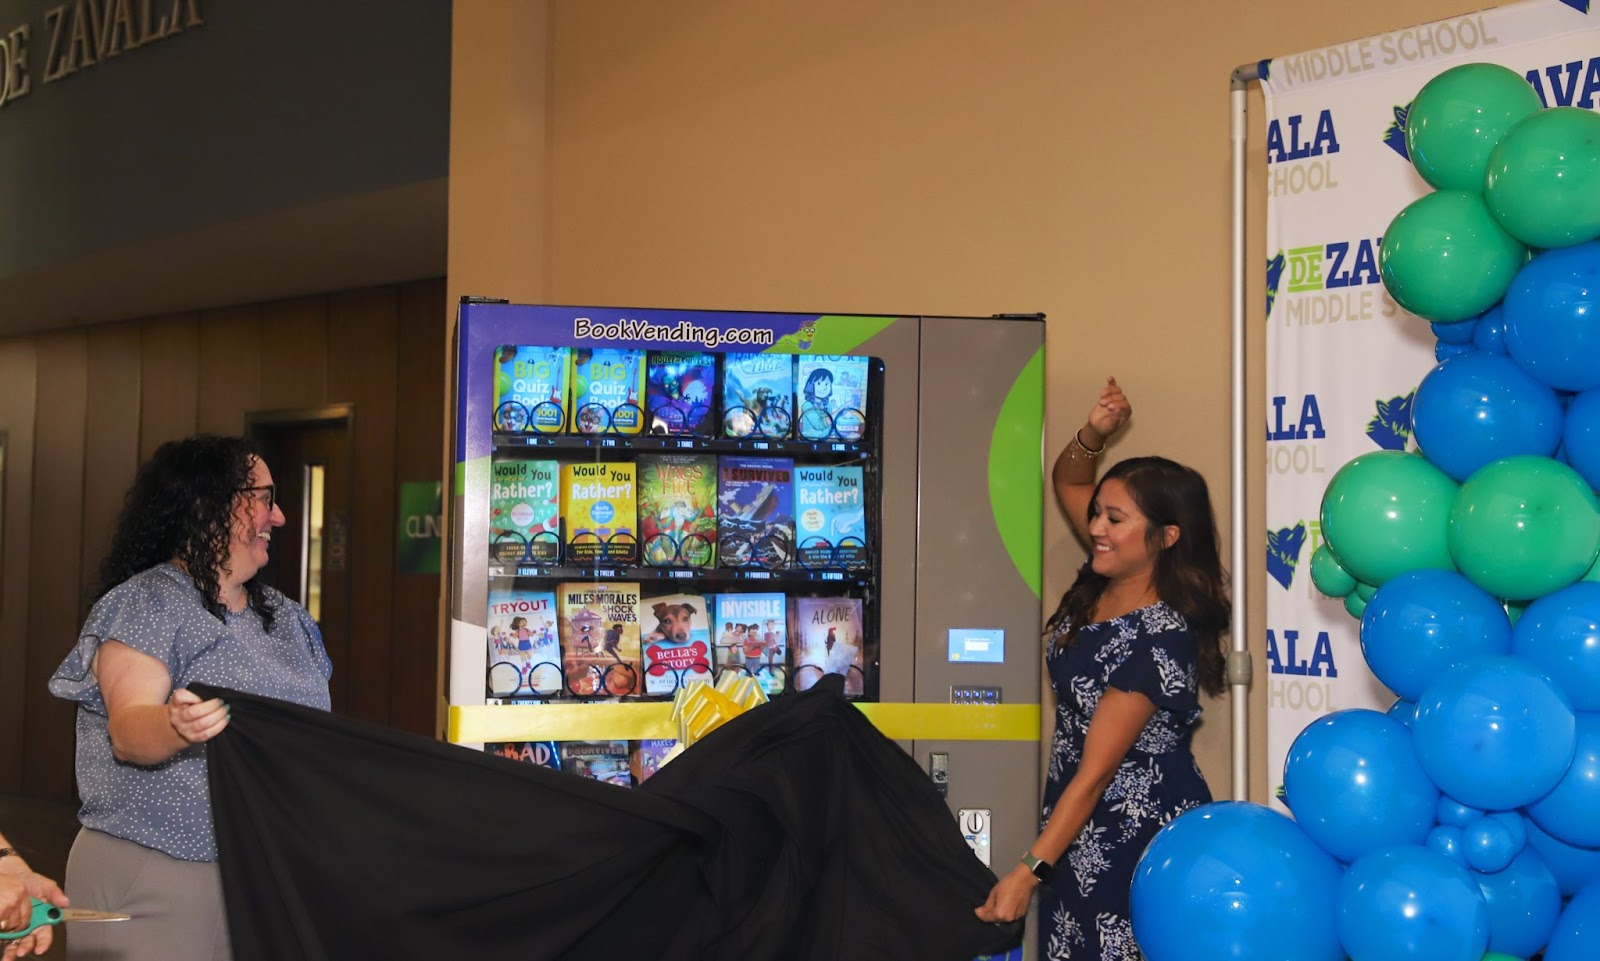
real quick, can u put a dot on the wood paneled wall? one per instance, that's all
(82, 408)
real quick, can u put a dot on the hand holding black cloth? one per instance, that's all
(796, 830)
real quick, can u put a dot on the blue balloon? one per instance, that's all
(1495, 734)
(1444, 351)
(1560, 634)
(1524, 903)
(1424, 622)
(1411, 903)
(1476, 408)
(1357, 785)
(1576, 934)
(1514, 823)
(1457, 333)
(1572, 866)
(1569, 811)
(1488, 845)
(1447, 840)
(1553, 317)
(1580, 438)
(1489, 336)
(1235, 880)
(1403, 711)
(1455, 813)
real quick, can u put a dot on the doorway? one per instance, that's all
(310, 454)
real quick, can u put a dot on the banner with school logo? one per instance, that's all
(1343, 360)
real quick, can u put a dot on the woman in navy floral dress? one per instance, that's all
(1136, 639)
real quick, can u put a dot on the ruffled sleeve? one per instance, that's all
(313, 637)
(144, 612)
(1163, 663)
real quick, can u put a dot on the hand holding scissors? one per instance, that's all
(36, 935)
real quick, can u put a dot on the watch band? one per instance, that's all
(1041, 868)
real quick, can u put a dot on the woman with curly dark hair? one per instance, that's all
(179, 601)
(1135, 640)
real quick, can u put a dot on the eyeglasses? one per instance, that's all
(272, 493)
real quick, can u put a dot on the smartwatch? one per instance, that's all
(1041, 869)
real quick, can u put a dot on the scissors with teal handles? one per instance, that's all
(46, 913)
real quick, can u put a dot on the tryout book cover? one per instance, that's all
(599, 638)
(599, 511)
(831, 391)
(755, 511)
(524, 646)
(829, 639)
(830, 516)
(675, 640)
(524, 512)
(680, 392)
(531, 389)
(758, 395)
(678, 509)
(607, 387)
(752, 632)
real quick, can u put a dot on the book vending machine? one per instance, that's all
(648, 499)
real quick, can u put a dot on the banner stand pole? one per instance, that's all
(1239, 668)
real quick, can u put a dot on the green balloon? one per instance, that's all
(1500, 956)
(1543, 179)
(1329, 575)
(1458, 117)
(1445, 259)
(1594, 572)
(1524, 526)
(1386, 513)
(1514, 610)
(1355, 605)
(1365, 591)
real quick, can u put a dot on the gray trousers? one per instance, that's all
(176, 905)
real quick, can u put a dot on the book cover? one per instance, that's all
(752, 632)
(530, 389)
(675, 641)
(758, 395)
(605, 761)
(830, 517)
(832, 394)
(649, 755)
(599, 638)
(524, 646)
(680, 391)
(755, 511)
(543, 753)
(599, 510)
(607, 386)
(829, 639)
(524, 512)
(678, 509)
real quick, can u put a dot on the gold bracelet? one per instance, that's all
(1077, 441)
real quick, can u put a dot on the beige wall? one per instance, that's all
(920, 156)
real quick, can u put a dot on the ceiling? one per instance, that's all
(385, 236)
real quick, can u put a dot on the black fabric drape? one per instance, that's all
(796, 830)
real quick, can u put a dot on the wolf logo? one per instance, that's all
(1274, 276)
(1395, 136)
(1283, 552)
(1391, 428)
